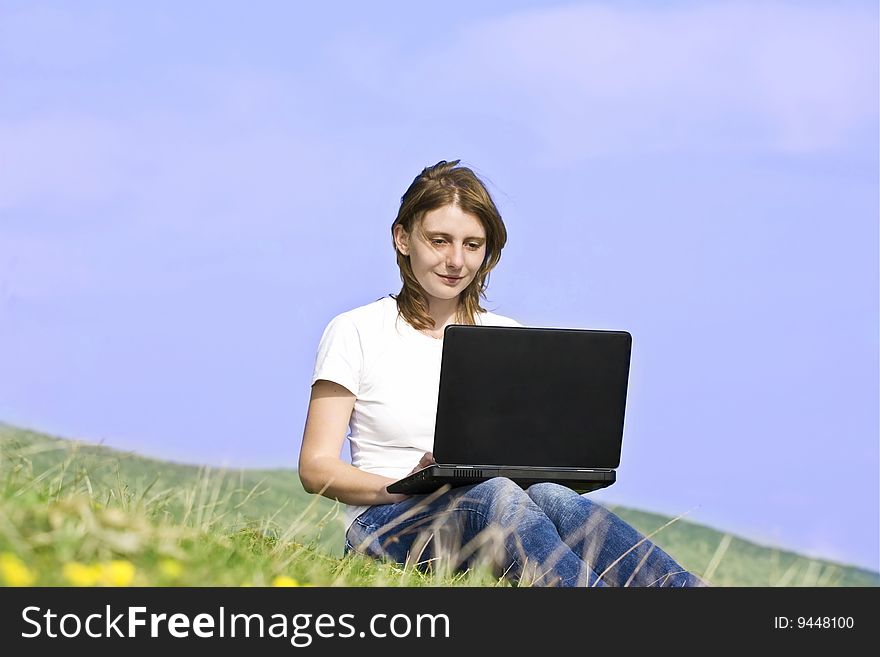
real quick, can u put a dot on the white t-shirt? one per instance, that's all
(394, 372)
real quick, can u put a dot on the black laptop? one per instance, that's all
(530, 404)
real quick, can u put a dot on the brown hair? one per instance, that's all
(435, 187)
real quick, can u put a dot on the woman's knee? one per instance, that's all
(496, 496)
(494, 486)
(548, 491)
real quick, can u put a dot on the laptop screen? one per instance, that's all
(525, 396)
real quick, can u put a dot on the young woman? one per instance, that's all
(377, 372)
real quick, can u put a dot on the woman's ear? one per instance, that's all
(401, 239)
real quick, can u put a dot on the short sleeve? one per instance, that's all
(491, 319)
(340, 356)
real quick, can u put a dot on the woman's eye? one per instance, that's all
(470, 245)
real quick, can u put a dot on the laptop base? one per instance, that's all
(433, 477)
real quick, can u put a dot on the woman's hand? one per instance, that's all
(426, 460)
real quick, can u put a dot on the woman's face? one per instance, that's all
(455, 247)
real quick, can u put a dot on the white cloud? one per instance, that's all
(594, 80)
(229, 161)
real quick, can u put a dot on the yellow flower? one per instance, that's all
(13, 571)
(284, 580)
(117, 573)
(79, 574)
(170, 568)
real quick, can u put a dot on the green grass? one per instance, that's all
(74, 513)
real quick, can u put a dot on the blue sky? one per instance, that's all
(189, 193)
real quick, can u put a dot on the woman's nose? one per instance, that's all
(455, 259)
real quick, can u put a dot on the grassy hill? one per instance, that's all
(75, 513)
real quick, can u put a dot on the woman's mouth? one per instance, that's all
(450, 280)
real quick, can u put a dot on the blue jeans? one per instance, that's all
(547, 535)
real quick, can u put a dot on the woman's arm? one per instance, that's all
(320, 468)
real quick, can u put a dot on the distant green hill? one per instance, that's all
(100, 495)
(232, 497)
